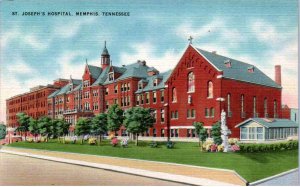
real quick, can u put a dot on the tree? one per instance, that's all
(2, 131)
(216, 133)
(62, 127)
(23, 121)
(138, 120)
(33, 127)
(114, 118)
(201, 131)
(44, 125)
(99, 125)
(83, 127)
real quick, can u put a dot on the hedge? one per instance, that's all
(251, 148)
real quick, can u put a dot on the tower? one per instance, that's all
(105, 57)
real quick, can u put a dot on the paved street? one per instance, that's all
(19, 170)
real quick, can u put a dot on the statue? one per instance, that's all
(224, 131)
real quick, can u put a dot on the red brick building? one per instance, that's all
(197, 89)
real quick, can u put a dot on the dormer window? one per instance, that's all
(111, 76)
(140, 85)
(227, 63)
(251, 69)
(155, 82)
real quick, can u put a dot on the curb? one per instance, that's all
(139, 172)
(272, 177)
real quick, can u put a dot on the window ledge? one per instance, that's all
(191, 92)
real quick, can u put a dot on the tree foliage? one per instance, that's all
(114, 118)
(44, 125)
(216, 133)
(33, 127)
(138, 120)
(201, 131)
(2, 131)
(83, 127)
(23, 120)
(99, 125)
(62, 127)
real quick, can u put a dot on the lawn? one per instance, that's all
(251, 166)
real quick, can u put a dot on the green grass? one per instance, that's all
(251, 166)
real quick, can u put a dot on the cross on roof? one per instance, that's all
(191, 39)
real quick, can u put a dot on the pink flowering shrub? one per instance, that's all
(235, 148)
(114, 142)
(213, 148)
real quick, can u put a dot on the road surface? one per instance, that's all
(18, 170)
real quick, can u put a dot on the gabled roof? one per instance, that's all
(103, 76)
(134, 70)
(95, 71)
(269, 123)
(238, 69)
(150, 79)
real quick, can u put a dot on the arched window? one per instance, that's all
(275, 109)
(174, 95)
(254, 107)
(191, 82)
(266, 107)
(242, 106)
(210, 92)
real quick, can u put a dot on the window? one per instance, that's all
(115, 101)
(86, 106)
(243, 115)
(210, 87)
(162, 133)
(137, 99)
(206, 112)
(154, 132)
(212, 112)
(259, 131)
(176, 132)
(86, 83)
(155, 82)
(155, 115)
(106, 104)
(116, 88)
(254, 107)
(128, 101)
(142, 99)
(162, 96)
(244, 133)
(174, 95)
(122, 87)
(252, 134)
(275, 109)
(191, 113)
(162, 115)
(191, 82)
(106, 91)
(125, 87)
(111, 76)
(154, 97)
(228, 105)
(140, 85)
(147, 98)
(128, 86)
(266, 107)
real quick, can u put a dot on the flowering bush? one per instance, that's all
(37, 141)
(207, 144)
(92, 141)
(213, 148)
(235, 148)
(233, 141)
(30, 140)
(114, 142)
(71, 140)
(43, 139)
(124, 142)
(220, 148)
(111, 136)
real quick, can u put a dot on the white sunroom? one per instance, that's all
(262, 129)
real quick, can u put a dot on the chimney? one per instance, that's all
(278, 74)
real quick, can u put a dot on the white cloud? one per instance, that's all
(146, 51)
(20, 67)
(264, 31)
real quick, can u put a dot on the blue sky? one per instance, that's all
(38, 49)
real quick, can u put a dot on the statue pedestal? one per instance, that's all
(225, 132)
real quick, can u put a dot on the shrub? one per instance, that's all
(153, 144)
(124, 142)
(250, 148)
(114, 142)
(233, 141)
(206, 145)
(235, 148)
(170, 145)
(220, 148)
(92, 141)
(30, 140)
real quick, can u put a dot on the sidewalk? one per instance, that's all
(192, 175)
